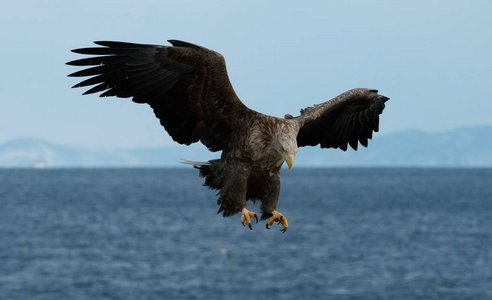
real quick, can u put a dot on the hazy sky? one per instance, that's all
(432, 58)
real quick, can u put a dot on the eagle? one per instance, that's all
(188, 88)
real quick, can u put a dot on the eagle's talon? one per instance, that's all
(278, 217)
(246, 216)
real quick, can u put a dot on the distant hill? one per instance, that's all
(30, 152)
(464, 147)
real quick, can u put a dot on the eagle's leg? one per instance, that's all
(232, 198)
(270, 199)
(278, 217)
(246, 216)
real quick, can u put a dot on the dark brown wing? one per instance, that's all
(186, 85)
(346, 119)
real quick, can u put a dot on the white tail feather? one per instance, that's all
(194, 163)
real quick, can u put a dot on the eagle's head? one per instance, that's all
(286, 144)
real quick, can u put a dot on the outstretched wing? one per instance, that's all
(186, 85)
(346, 119)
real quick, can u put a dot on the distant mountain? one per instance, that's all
(464, 147)
(31, 153)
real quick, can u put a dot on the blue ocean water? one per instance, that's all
(155, 234)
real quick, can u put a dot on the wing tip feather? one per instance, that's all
(178, 43)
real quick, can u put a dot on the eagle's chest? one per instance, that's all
(260, 149)
(267, 158)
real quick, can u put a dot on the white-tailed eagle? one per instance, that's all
(188, 88)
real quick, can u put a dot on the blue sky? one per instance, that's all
(432, 58)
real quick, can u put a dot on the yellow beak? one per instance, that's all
(289, 159)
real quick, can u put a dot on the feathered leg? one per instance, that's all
(232, 198)
(269, 203)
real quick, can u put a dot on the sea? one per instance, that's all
(354, 233)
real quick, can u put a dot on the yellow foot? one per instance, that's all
(278, 217)
(247, 215)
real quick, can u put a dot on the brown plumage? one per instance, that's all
(189, 90)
